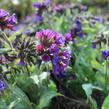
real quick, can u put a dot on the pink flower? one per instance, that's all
(40, 48)
(68, 37)
(39, 34)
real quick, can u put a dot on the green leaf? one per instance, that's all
(89, 30)
(88, 88)
(20, 97)
(106, 103)
(14, 103)
(92, 103)
(40, 78)
(46, 98)
(17, 104)
(4, 50)
(35, 79)
(13, 36)
(3, 105)
(96, 65)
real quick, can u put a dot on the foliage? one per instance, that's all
(53, 57)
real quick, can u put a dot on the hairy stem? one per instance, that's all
(6, 39)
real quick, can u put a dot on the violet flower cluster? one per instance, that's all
(94, 44)
(41, 7)
(77, 29)
(50, 50)
(105, 54)
(2, 87)
(96, 19)
(58, 8)
(7, 21)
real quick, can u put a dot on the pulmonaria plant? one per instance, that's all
(50, 50)
(7, 21)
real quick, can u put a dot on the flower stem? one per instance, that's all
(106, 69)
(6, 39)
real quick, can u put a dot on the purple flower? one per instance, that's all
(66, 53)
(14, 43)
(62, 75)
(57, 35)
(37, 17)
(56, 60)
(93, 22)
(18, 27)
(27, 32)
(79, 26)
(46, 37)
(78, 22)
(62, 67)
(80, 34)
(57, 68)
(105, 54)
(54, 49)
(58, 7)
(37, 5)
(48, 33)
(67, 56)
(66, 61)
(99, 19)
(7, 21)
(60, 41)
(68, 37)
(94, 45)
(2, 85)
(74, 31)
(45, 57)
(45, 33)
(47, 2)
(12, 20)
(77, 29)
(28, 19)
(21, 63)
(83, 8)
(3, 13)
